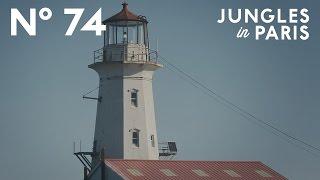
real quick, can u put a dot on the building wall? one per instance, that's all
(109, 120)
(139, 77)
(151, 122)
(116, 117)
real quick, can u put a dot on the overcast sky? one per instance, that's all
(43, 78)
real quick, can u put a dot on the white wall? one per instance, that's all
(115, 114)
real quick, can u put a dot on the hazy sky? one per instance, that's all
(43, 78)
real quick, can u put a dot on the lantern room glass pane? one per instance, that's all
(132, 34)
(140, 34)
(122, 35)
(111, 35)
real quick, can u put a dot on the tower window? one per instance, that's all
(135, 137)
(134, 98)
(152, 141)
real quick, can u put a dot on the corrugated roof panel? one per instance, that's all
(135, 172)
(263, 173)
(151, 169)
(168, 172)
(200, 172)
(231, 173)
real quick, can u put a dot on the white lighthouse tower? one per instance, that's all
(125, 123)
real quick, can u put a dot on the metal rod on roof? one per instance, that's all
(157, 44)
(157, 49)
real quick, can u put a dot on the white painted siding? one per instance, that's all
(115, 114)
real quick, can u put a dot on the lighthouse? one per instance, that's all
(125, 140)
(125, 122)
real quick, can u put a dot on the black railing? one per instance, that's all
(101, 55)
(167, 150)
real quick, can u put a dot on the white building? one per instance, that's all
(125, 125)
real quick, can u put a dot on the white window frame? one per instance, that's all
(134, 100)
(135, 140)
(153, 142)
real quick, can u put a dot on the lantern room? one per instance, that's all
(126, 28)
(125, 39)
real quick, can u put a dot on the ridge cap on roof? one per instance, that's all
(229, 161)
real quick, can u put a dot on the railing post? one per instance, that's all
(85, 173)
(156, 56)
(94, 57)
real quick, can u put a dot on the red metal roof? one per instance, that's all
(184, 170)
(125, 15)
